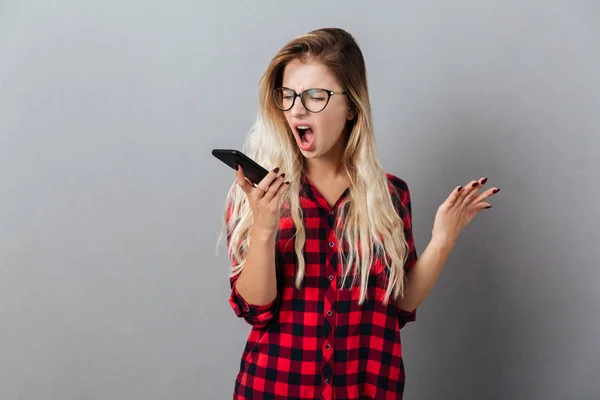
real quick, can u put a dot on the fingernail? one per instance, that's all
(282, 176)
(495, 190)
(475, 184)
(489, 207)
(236, 166)
(459, 189)
(287, 183)
(484, 181)
(276, 170)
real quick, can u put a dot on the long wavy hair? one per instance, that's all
(373, 227)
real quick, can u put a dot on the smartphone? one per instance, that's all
(253, 171)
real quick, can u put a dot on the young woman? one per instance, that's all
(325, 268)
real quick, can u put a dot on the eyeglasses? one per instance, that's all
(314, 100)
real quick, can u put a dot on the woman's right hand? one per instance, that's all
(264, 200)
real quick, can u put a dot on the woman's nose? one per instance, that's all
(298, 107)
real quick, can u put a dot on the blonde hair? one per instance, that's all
(370, 217)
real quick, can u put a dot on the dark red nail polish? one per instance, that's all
(495, 190)
(459, 189)
(287, 183)
(282, 176)
(276, 170)
(489, 207)
(484, 181)
(236, 166)
(475, 184)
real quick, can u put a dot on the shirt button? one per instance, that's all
(330, 277)
(246, 309)
(331, 244)
(329, 313)
(326, 381)
(327, 347)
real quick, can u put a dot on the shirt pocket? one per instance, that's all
(377, 283)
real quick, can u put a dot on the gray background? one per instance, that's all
(110, 201)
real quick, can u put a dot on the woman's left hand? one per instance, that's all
(459, 209)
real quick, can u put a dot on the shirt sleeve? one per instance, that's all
(258, 316)
(405, 211)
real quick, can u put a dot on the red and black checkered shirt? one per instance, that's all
(318, 342)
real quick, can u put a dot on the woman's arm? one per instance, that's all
(422, 276)
(451, 218)
(257, 282)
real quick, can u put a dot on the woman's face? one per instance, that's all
(317, 134)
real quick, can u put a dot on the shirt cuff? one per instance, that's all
(256, 315)
(406, 316)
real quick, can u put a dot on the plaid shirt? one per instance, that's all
(317, 342)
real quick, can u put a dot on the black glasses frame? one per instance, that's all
(301, 95)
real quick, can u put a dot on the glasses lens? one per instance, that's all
(315, 100)
(283, 98)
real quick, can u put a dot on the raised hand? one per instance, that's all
(459, 209)
(264, 199)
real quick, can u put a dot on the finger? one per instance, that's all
(241, 180)
(471, 191)
(273, 188)
(485, 195)
(482, 206)
(455, 195)
(280, 191)
(264, 184)
(464, 193)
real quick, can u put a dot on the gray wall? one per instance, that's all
(110, 200)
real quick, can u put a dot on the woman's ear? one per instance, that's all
(351, 113)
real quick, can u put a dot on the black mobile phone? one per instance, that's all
(252, 170)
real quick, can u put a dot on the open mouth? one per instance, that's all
(305, 133)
